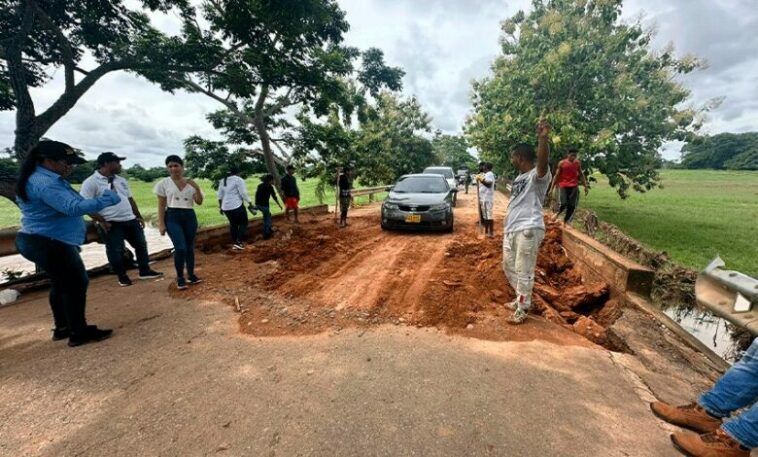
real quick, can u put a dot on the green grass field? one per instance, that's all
(697, 215)
(207, 214)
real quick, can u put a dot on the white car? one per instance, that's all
(449, 175)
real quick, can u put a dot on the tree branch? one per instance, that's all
(287, 156)
(192, 85)
(282, 103)
(69, 98)
(68, 53)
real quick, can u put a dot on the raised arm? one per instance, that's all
(543, 149)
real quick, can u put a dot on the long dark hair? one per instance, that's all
(27, 168)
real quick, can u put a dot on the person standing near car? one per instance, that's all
(122, 221)
(232, 197)
(487, 197)
(52, 229)
(263, 195)
(291, 193)
(346, 197)
(176, 216)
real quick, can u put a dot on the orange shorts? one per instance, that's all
(291, 202)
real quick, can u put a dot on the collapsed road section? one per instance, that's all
(315, 277)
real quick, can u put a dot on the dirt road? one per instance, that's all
(317, 277)
(350, 344)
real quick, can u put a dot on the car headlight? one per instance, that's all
(390, 206)
(440, 207)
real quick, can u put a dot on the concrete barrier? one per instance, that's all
(597, 261)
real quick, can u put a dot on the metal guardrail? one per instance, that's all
(728, 294)
(370, 191)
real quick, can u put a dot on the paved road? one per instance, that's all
(178, 379)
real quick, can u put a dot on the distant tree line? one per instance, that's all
(725, 151)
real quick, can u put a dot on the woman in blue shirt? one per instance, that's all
(52, 229)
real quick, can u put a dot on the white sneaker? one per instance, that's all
(238, 247)
(519, 316)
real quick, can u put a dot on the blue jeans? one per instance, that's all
(737, 389)
(181, 225)
(68, 278)
(114, 238)
(268, 227)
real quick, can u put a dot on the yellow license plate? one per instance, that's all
(413, 218)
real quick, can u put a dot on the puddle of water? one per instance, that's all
(711, 330)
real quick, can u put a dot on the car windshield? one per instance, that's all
(419, 185)
(446, 172)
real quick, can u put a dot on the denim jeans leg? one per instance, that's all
(68, 277)
(114, 248)
(242, 225)
(176, 233)
(744, 428)
(135, 235)
(737, 388)
(36, 250)
(267, 226)
(189, 226)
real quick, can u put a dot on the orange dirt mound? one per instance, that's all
(315, 277)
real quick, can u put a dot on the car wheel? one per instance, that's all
(449, 228)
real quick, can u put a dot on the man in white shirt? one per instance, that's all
(487, 198)
(524, 222)
(122, 221)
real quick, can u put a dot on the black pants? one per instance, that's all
(68, 278)
(237, 224)
(132, 232)
(569, 199)
(181, 225)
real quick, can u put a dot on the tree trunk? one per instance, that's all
(260, 127)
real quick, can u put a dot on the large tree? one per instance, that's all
(265, 60)
(596, 79)
(38, 37)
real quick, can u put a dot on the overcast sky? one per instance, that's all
(442, 45)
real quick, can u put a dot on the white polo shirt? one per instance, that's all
(95, 185)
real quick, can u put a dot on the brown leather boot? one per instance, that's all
(715, 444)
(690, 416)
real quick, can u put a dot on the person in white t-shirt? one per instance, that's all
(524, 223)
(487, 199)
(176, 197)
(119, 222)
(232, 197)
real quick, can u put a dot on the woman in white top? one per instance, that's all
(176, 195)
(232, 196)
